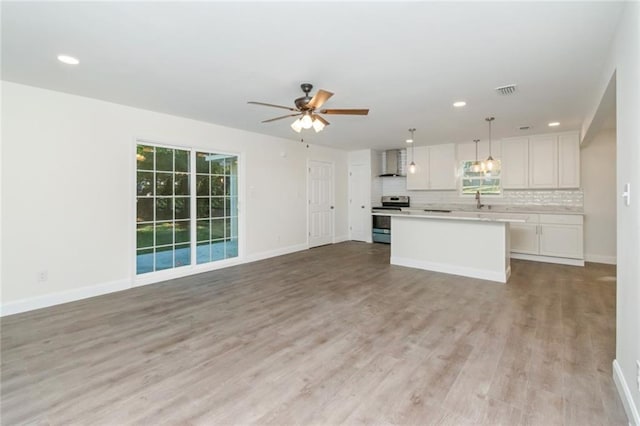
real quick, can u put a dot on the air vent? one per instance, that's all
(509, 89)
(524, 127)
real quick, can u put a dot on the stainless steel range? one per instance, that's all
(381, 223)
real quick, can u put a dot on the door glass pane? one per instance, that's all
(164, 159)
(144, 209)
(144, 235)
(145, 184)
(202, 185)
(145, 157)
(182, 255)
(221, 208)
(203, 233)
(182, 232)
(163, 218)
(164, 233)
(181, 184)
(164, 258)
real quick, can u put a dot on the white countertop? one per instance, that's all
(457, 215)
(499, 208)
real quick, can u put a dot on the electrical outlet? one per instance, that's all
(43, 276)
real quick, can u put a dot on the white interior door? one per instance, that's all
(320, 203)
(359, 203)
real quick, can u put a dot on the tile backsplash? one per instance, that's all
(550, 197)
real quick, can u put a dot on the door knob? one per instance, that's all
(331, 207)
(362, 207)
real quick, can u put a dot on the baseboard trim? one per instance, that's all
(625, 395)
(498, 277)
(597, 258)
(548, 259)
(277, 252)
(47, 300)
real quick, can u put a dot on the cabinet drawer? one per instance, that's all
(562, 219)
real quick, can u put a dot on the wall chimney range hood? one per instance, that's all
(394, 163)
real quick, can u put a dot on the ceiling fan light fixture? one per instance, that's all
(318, 125)
(306, 121)
(297, 125)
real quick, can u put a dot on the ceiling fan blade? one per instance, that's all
(322, 120)
(319, 98)
(272, 105)
(345, 111)
(280, 118)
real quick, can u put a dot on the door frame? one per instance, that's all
(333, 198)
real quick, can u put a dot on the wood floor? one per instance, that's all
(332, 335)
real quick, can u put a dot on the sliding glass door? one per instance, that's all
(186, 207)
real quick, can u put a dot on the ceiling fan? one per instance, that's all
(308, 110)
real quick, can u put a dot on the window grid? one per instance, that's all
(177, 224)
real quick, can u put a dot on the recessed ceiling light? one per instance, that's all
(554, 124)
(69, 60)
(459, 104)
(409, 140)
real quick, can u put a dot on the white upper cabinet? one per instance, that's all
(568, 160)
(442, 166)
(543, 161)
(515, 163)
(435, 167)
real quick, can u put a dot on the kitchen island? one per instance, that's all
(461, 243)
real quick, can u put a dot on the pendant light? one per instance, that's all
(477, 166)
(490, 161)
(412, 165)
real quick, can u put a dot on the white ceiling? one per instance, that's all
(407, 62)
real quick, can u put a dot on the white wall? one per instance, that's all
(625, 63)
(68, 182)
(598, 165)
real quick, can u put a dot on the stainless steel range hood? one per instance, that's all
(394, 162)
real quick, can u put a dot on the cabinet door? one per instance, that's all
(419, 179)
(515, 163)
(561, 241)
(442, 166)
(568, 161)
(524, 238)
(543, 162)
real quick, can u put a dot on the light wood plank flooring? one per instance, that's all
(332, 335)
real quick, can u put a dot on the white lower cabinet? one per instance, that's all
(549, 238)
(524, 238)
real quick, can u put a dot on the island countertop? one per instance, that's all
(458, 215)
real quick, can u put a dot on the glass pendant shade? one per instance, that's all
(318, 125)
(412, 167)
(297, 125)
(489, 163)
(306, 121)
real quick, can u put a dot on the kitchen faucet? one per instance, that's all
(478, 204)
